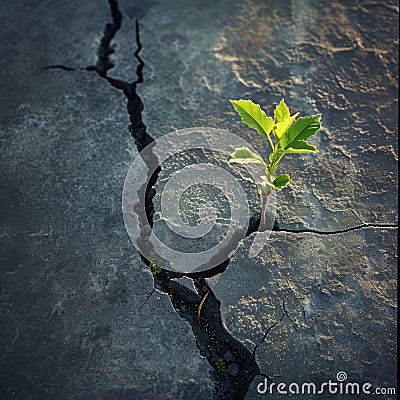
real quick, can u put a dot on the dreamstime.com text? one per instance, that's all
(329, 387)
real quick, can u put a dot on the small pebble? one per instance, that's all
(233, 369)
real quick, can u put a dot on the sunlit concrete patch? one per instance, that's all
(183, 79)
(332, 298)
(335, 59)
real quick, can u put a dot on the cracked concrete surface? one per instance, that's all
(341, 313)
(74, 320)
(77, 319)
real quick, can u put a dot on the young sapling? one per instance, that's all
(286, 134)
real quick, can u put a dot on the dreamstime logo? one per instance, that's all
(141, 176)
(341, 376)
(329, 387)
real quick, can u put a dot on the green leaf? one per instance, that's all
(243, 155)
(295, 139)
(282, 127)
(304, 147)
(281, 181)
(273, 157)
(253, 116)
(281, 112)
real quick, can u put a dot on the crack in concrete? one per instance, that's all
(287, 314)
(63, 67)
(263, 340)
(266, 333)
(212, 339)
(105, 49)
(276, 323)
(276, 228)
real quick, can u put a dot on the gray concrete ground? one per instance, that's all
(76, 319)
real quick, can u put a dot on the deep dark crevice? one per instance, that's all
(212, 339)
(105, 49)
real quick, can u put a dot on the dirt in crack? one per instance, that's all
(234, 366)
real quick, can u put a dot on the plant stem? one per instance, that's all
(263, 206)
(264, 197)
(270, 142)
(279, 158)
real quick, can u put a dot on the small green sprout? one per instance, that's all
(155, 269)
(221, 365)
(286, 134)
